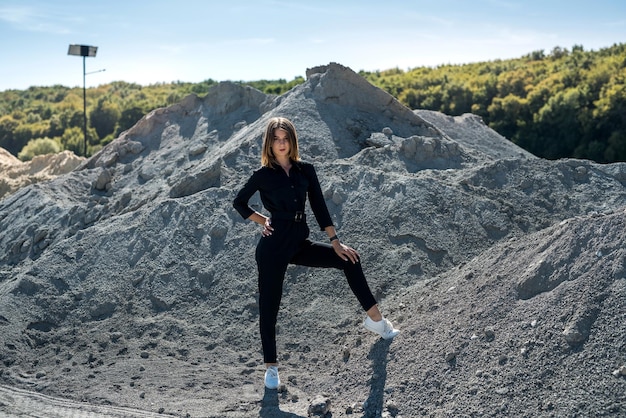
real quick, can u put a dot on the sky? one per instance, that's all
(247, 40)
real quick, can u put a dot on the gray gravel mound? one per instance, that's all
(130, 282)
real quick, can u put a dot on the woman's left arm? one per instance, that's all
(345, 252)
(318, 204)
(316, 198)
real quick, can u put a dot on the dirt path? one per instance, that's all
(21, 403)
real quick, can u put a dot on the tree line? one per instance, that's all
(566, 103)
(560, 104)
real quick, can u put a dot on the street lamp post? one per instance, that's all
(83, 51)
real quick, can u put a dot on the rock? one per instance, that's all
(320, 406)
(346, 353)
(392, 407)
(103, 180)
(378, 140)
(490, 335)
(621, 371)
(573, 336)
(197, 150)
(450, 356)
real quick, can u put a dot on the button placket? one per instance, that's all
(293, 179)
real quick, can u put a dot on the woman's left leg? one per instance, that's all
(316, 254)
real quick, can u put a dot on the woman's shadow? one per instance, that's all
(270, 406)
(373, 406)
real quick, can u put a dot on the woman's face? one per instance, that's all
(280, 145)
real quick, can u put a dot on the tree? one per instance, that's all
(39, 146)
(507, 114)
(616, 151)
(7, 140)
(73, 140)
(104, 117)
(457, 99)
(558, 125)
(129, 117)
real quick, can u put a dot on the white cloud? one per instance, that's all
(27, 19)
(15, 14)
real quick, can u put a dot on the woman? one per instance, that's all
(284, 182)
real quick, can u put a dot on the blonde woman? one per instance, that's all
(284, 182)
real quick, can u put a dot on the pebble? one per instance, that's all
(620, 372)
(346, 353)
(490, 334)
(450, 356)
(391, 406)
(352, 409)
(197, 150)
(573, 336)
(320, 406)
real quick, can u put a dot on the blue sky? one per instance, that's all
(187, 40)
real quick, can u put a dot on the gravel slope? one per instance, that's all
(130, 282)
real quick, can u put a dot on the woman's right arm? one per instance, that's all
(262, 220)
(241, 200)
(241, 204)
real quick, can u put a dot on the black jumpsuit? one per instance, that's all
(284, 196)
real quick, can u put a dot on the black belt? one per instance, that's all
(298, 216)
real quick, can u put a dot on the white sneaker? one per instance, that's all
(272, 381)
(384, 328)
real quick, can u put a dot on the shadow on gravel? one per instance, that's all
(270, 407)
(373, 406)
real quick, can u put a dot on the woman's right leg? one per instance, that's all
(271, 276)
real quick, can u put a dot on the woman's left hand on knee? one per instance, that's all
(345, 252)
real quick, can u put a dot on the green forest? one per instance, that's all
(565, 103)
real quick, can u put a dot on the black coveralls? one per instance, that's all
(284, 196)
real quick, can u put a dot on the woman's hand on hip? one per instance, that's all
(267, 228)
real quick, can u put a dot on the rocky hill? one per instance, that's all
(130, 282)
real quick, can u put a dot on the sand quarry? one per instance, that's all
(128, 285)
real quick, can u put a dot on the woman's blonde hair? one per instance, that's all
(267, 156)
